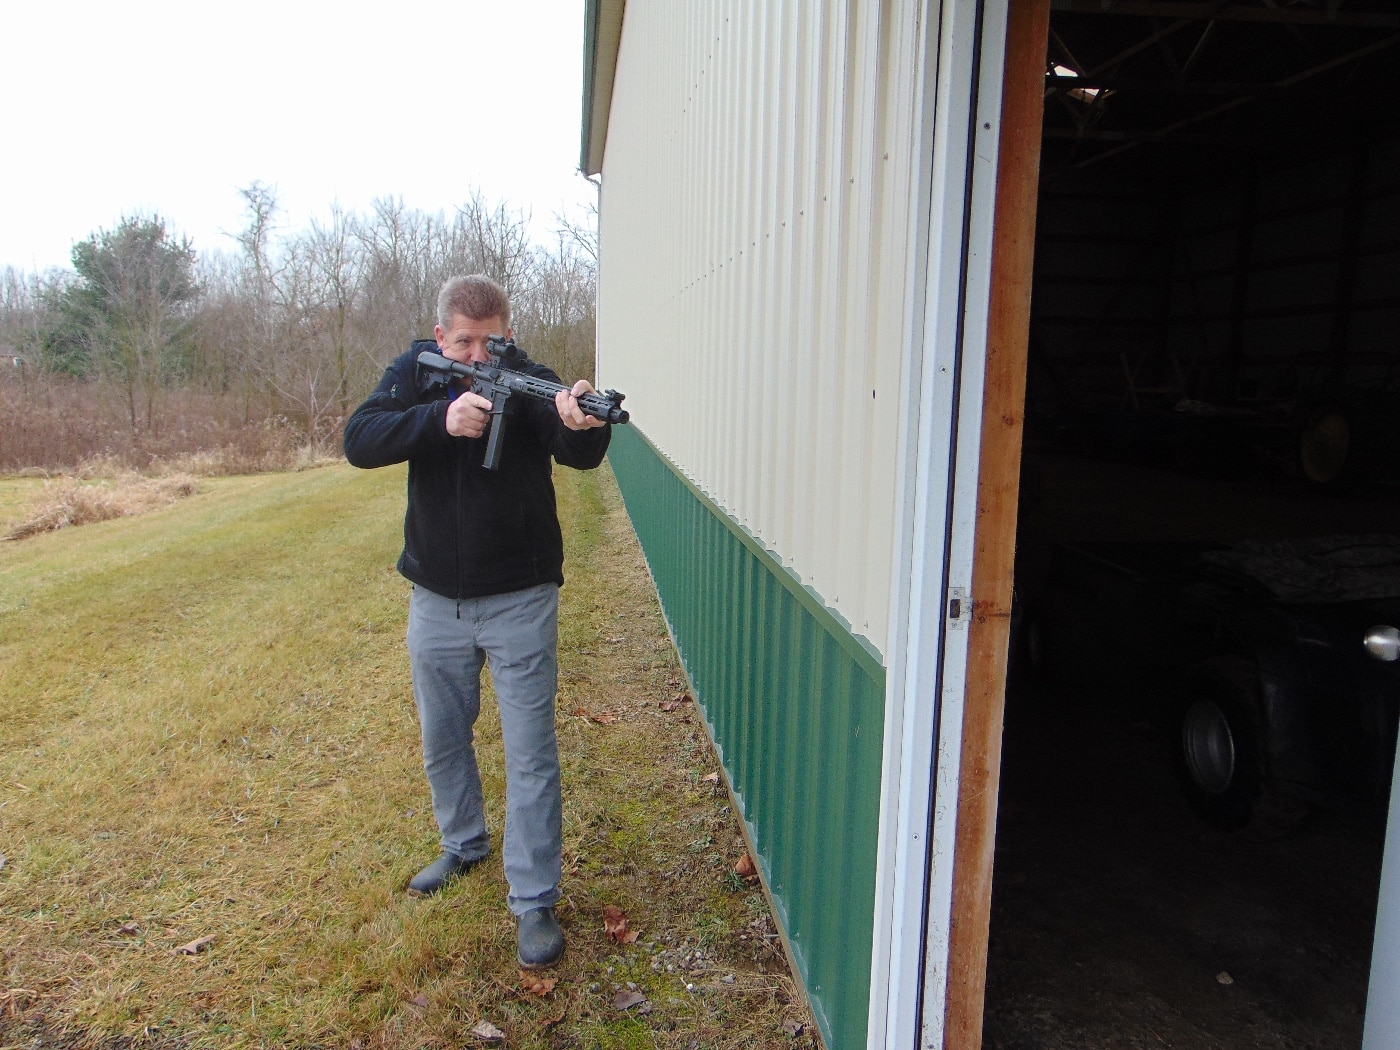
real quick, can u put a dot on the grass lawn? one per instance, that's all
(207, 740)
(15, 495)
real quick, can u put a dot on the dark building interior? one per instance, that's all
(1201, 715)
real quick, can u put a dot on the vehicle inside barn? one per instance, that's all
(1203, 691)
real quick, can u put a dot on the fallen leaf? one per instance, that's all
(614, 921)
(420, 1000)
(532, 985)
(743, 867)
(625, 999)
(602, 718)
(710, 778)
(195, 946)
(489, 1032)
(678, 702)
(615, 926)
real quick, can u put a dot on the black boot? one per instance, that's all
(439, 873)
(539, 940)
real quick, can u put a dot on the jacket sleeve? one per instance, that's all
(392, 425)
(580, 449)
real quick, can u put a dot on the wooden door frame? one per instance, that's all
(1003, 405)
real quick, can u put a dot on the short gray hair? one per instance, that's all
(475, 297)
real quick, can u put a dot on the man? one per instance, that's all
(484, 552)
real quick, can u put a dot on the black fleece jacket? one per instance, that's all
(468, 531)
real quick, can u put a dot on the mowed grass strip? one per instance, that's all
(207, 740)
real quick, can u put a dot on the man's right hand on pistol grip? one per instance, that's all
(469, 415)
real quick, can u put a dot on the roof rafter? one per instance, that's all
(1160, 134)
(1222, 12)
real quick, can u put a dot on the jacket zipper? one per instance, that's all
(457, 520)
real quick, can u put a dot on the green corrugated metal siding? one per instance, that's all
(795, 704)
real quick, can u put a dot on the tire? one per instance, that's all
(1030, 661)
(1326, 454)
(1341, 449)
(1222, 751)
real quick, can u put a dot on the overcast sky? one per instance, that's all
(169, 107)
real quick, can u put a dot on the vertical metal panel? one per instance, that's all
(757, 157)
(1382, 1030)
(794, 704)
(959, 301)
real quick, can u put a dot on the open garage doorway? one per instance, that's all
(1198, 747)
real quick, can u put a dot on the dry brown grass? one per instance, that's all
(103, 487)
(73, 501)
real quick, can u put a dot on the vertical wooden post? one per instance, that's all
(1013, 246)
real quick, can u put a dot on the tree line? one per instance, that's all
(294, 324)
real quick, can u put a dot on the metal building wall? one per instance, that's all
(795, 235)
(755, 304)
(795, 705)
(763, 250)
(1287, 276)
(1259, 285)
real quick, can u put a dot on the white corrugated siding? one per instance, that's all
(755, 237)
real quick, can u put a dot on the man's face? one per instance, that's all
(464, 338)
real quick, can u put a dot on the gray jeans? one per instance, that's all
(448, 642)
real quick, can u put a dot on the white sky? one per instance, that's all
(169, 107)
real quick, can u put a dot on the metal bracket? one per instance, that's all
(959, 608)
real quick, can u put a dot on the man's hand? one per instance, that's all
(566, 401)
(469, 415)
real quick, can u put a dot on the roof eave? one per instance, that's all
(602, 34)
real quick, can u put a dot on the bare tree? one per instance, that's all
(582, 233)
(323, 311)
(221, 326)
(494, 240)
(257, 285)
(335, 267)
(556, 317)
(400, 285)
(21, 325)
